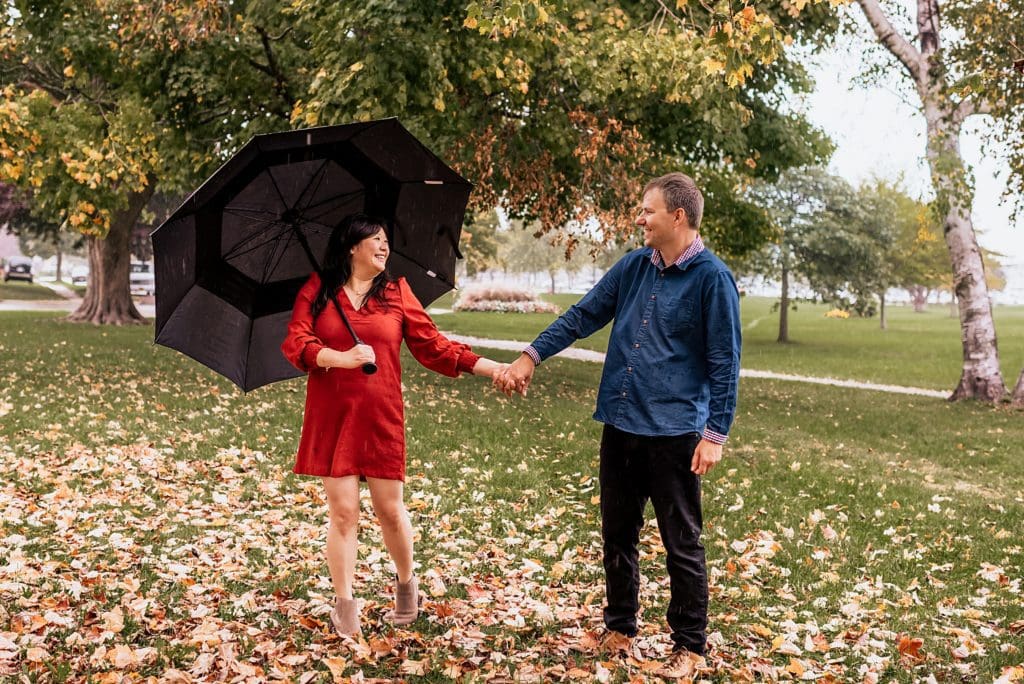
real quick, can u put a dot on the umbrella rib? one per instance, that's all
(280, 195)
(250, 241)
(331, 199)
(253, 242)
(318, 175)
(277, 220)
(280, 249)
(238, 209)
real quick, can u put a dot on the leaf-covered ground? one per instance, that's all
(151, 528)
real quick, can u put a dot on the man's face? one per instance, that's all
(660, 225)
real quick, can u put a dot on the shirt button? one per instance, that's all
(662, 275)
(645, 321)
(636, 346)
(629, 369)
(654, 296)
(623, 394)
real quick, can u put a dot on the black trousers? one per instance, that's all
(634, 469)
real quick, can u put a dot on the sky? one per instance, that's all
(878, 132)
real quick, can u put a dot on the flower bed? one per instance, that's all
(502, 299)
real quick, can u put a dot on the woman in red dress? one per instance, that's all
(354, 425)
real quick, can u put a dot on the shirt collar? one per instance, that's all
(695, 248)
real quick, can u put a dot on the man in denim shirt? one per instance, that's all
(667, 399)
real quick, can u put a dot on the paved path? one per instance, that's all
(69, 305)
(60, 288)
(598, 357)
(147, 310)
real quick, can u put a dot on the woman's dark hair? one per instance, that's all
(337, 267)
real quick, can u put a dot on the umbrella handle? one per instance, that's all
(368, 368)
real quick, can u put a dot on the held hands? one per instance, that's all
(516, 377)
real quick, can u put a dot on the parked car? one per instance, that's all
(18, 268)
(141, 278)
(79, 275)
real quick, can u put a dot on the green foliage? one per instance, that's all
(560, 110)
(829, 236)
(982, 42)
(103, 99)
(480, 243)
(917, 257)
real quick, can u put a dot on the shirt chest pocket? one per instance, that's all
(677, 315)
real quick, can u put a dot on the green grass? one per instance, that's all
(917, 349)
(136, 480)
(16, 289)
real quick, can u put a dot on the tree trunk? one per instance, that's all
(107, 294)
(551, 274)
(784, 307)
(944, 111)
(980, 377)
(1018, 392)
(60, 258)
(918, 297)
(881, 311)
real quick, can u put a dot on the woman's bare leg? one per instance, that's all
(343, 532)
(389, 508)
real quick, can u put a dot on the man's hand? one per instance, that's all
(516, 377)
(705, 456)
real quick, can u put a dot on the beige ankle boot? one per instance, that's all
(345, 618)
(407, 603)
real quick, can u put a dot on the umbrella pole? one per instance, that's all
(368, 368)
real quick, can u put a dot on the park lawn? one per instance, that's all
(150, 521)
(15, 289)
(917, 349)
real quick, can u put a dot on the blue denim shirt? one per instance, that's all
(673, 358)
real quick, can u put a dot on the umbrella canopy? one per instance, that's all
(230, 261)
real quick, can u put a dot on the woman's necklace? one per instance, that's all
(356, 292)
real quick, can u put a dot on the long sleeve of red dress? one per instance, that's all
(354, 424)
(301, 345)
(432, 349)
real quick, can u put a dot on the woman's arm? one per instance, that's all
(487, 368)
(432, 349)
(351, 358)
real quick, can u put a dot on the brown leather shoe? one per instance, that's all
(407, 603)
(682, 664)
(345, 618)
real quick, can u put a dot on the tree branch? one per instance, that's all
(892, 40)
(969, 107)
(274, 69)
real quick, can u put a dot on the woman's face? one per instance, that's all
(370, 255)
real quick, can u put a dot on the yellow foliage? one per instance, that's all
(713, 66)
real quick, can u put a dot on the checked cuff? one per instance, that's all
(532, 353)
(715, 437)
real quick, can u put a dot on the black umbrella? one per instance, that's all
(230, 261)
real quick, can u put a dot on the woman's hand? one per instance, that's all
(355, 357)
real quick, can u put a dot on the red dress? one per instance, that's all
(354, 423)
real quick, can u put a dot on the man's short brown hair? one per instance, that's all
(680, 192)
